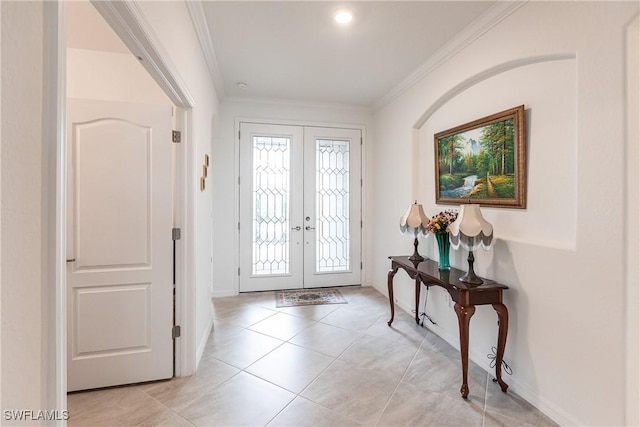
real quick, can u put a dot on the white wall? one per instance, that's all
(563, 256)
(633, 223)
(110, 76)
(225, 173)
(23, 229)
(1, 407)
(172, 24)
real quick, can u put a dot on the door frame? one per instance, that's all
(130, 24)
(262, 121)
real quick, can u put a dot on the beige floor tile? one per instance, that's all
(244, 348)
(352, 391)
(403, 331)
(245, 315)
(122, 406)
(437, 344)
(350, 319)
(166, 419)
(311, 312)
(327, 339)
(282, 326)
(513, 406)
(302, 412)
(81, 401)
(370, 305)
(411, 406)
(290, 366)
(436, 372)
(266, 299)
(245, 400)
(180, 391)
(380, 355)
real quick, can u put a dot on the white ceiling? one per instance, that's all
(293, 50)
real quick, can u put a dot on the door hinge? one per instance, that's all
(360, 265)
(238, 271)
(238, 133)
(175, 234)
(176, 136)
(175, 332)
(360, 223)
(238, 226)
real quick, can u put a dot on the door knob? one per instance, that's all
(309, 228)
(296, 228)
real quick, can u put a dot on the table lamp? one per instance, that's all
(414, 221)
(471, 231)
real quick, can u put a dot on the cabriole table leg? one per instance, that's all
(503, 320)
(464, 316)
(392, 272)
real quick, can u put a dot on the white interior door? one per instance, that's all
(119, 276)
(299, 207)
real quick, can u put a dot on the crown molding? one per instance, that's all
(471, 33)
(206, 44)
(280, 102)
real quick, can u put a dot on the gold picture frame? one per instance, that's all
(483, 161)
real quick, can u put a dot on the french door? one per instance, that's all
(299, 207)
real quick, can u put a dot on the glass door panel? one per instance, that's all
(270, 207)
(271, 178)
(332, 206)
(332, 199)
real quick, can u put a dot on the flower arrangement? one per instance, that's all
(439, 224)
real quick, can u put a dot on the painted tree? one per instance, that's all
(449, 151)
(497, 141)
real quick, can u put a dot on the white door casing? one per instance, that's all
(119, 221)
(300, 206)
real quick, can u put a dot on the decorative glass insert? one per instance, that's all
(332, 206)
(271, 183)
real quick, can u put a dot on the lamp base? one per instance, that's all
(471, 276)
(416, 256)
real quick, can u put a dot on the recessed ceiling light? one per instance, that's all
(343, 17)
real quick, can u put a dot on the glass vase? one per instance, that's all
(443, 251)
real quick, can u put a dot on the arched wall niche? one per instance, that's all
(546, 85)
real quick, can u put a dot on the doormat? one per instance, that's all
(309, 297)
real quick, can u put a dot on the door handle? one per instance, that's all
(296, 228)
(71, 260)
(309, 228)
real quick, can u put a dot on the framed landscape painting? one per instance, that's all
(483, 161)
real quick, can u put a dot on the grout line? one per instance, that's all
(415, 355)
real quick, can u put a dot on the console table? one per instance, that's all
(465, 296)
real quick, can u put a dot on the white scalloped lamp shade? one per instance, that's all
(470, 230)
(414, 220)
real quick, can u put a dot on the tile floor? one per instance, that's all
(324, 365)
